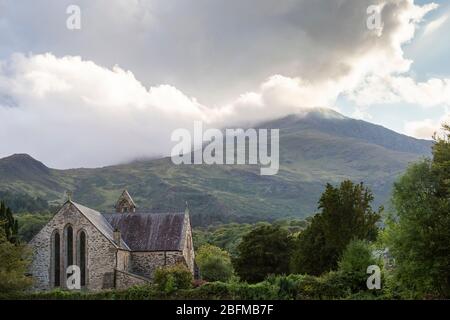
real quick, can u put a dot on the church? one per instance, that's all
(112, 250)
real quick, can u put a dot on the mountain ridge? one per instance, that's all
(314, 150)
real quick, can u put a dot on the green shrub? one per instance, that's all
(172, 278)
(214, 263)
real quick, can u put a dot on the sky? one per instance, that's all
(114, 90)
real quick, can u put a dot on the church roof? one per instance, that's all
(97, 219)
(149, 231)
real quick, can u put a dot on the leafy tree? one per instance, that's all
(356, 257)
(8, 223)
(264, 251)
(346, 214)
(418, 235)
(353, 264)
(14, 260)
(214, 263)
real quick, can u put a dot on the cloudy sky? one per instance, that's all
(136, 70)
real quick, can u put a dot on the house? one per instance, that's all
(112, 250)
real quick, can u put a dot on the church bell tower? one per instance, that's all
(125, 203)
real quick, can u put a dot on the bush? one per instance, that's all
(214, 263)
(353, 264)
(172, 278)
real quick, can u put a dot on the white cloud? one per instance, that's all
(395, 89)
(423, 129)
(69, 111)
(426, 128)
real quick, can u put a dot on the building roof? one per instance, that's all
(97, 219)
(149, 231)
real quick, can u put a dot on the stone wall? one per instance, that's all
(123, 260)
(145, 263)
(125, 280)
(100, 252)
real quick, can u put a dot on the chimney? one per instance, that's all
(117, 236)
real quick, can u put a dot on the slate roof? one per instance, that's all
(140, 231)
(149, 231)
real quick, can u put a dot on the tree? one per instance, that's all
(14, 260)
(353, 264)
(264, 251)
(346, 214)
(214, 263)
(8, 223)
(418, 233)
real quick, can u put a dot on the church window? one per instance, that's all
(56, 260)
(69, 247)
(82, 254)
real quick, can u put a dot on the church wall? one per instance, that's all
(145, 263)
(125, 280)
(123, 259)
(101, 253)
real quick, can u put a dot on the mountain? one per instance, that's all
(315, 148)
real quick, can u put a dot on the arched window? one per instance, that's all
(82, 255)
(69, 246)
(56, 260)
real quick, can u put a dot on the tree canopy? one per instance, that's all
(418, 233)
(346, 214)
(264, 251)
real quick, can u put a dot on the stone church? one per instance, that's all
(112, 250)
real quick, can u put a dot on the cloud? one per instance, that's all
(71, 112)
(426, 128)
(225, 63)
(395, 89)
(216, 50)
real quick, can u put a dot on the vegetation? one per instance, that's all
(355, 259)
(418, 233)
(264, 251)
(8, 224)
(14, 257)
(346, 214)
(21, 202)
(30, 224)
(214, 263)
(228, 236)
(172, 278)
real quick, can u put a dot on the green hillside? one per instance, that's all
(315, 149)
